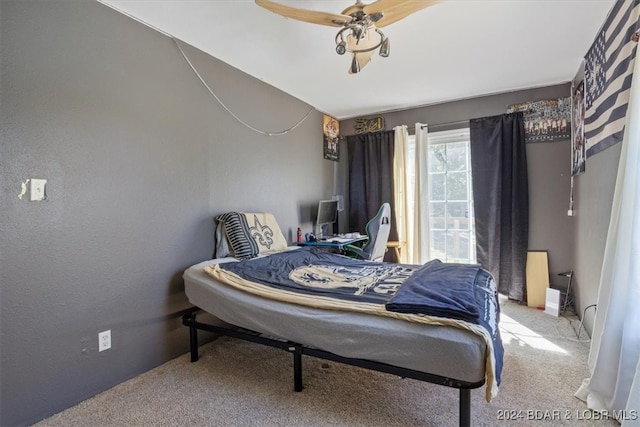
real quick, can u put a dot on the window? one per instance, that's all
(450, 204)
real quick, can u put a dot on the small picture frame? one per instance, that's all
(366, 125)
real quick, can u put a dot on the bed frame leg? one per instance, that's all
(193, 343)
(297, 368)
(465, 407)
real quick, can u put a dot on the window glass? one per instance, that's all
(450, 204)
(457, 246)
(439, 244)
(437, 158)
(437, 215)
(457, 185)
(437, 186)
(456, 156)
(458, 215)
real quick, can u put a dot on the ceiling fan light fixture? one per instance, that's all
(385, 48)
(358, 33)
(360, 24)
(355, 65)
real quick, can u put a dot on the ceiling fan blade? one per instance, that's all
(311, 16)
(395, 10)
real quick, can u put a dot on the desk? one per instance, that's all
(333, 242)
(397, 246)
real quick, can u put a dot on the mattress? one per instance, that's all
(440, 350)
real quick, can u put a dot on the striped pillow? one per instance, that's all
(252, 234)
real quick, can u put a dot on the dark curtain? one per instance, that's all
(370, 178)
(501, 199)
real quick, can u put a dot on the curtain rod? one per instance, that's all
(413, 128)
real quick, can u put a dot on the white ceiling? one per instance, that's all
(454, 50)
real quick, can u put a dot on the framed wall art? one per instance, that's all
(331, 138)
(547, 120)
(365, 125)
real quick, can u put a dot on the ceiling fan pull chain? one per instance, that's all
(278, 133)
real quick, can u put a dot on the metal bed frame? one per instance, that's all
(189, 319)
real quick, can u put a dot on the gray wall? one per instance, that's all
(593, 196)
(574, 243)
(138, 158)
(549, 167)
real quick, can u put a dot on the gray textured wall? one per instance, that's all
(138, 158)
(593, 196)
(574, 243)
(549, 167)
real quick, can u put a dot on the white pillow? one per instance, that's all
(252, 234)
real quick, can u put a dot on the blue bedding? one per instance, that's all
(457, 291)
(313, 271)
(461, 292)
(439, 289)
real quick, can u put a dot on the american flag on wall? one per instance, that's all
(608, 73)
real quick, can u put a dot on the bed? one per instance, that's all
(333, 307)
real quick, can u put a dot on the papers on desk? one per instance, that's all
(338, 239)
(342, 239)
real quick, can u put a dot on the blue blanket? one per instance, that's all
(457, 291)
(439, 289)
(453, 291)
(312, 271)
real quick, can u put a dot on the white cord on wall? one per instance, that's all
(273, 133)
(282, 132)
(571, 212)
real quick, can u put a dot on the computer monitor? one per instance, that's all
(327, 216)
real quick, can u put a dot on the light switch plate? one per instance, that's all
(37, 189)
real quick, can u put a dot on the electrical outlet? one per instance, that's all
(104, 340)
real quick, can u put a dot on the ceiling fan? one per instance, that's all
(360, 34)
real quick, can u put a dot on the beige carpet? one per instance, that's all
(236, 383)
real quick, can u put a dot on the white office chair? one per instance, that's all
(377, 230)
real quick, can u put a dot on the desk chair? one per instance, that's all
(377, 230)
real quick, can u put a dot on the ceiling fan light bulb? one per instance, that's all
(385, 49)
(341, 48)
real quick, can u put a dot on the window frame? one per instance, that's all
(445, 138)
